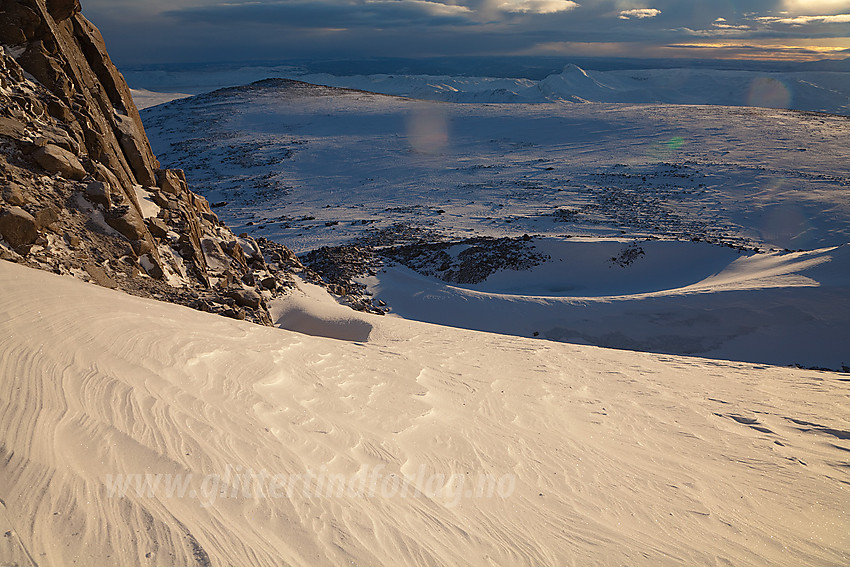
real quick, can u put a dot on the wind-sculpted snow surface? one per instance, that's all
(451, 446)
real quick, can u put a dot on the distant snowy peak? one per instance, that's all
(574, 69)
(574, 84)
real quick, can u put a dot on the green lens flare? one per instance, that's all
(676, 143)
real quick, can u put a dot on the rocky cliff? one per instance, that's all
(82, 192)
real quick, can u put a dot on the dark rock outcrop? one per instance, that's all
(57, 160)
(81, 191)
(18, 227)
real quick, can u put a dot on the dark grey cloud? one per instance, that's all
(380, 14)
(212, 30)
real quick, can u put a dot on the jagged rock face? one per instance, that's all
(82, 192)
(63, 9)
(66, 54)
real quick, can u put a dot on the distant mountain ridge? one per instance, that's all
(801, 87)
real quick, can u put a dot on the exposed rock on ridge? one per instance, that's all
(82, 192)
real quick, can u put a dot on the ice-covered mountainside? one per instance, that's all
(820, 91)
(472, 448)
(716, 231)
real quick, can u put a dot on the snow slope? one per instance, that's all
(611, 457)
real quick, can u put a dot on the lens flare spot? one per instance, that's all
(768, 92)
(666, 149)
(428, 129)
(676, 143)
(785, 225)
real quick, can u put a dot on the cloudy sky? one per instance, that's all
(242, 30)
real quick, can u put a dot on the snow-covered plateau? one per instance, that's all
(704, 230)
